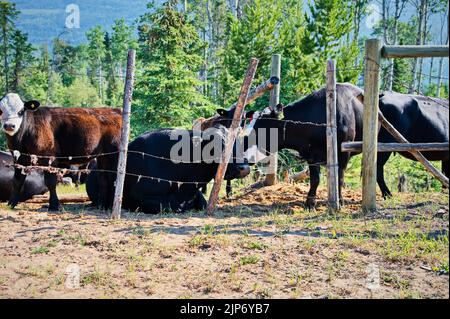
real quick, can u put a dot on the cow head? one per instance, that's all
(12, 111)
(255, 120)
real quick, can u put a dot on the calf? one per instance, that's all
(174, 185)
(61, 137)
(33, 185)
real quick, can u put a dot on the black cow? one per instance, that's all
(34, 182)
(420, 120)
(175, 185)
(303, 129)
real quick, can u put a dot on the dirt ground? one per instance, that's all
(261, 243)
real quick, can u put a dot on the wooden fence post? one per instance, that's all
(370, 124)
(235, 124)
(271, 176)
(332, 158)
(122, 164)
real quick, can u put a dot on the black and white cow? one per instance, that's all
(72, 136)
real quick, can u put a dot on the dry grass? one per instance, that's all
(260, 244)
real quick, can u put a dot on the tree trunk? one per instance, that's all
(398, 13)
(441, 68)
(424, 39)
(418, 42)
(5, 59)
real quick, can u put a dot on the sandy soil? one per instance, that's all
(260, 244)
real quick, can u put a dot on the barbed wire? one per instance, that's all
(26, 169)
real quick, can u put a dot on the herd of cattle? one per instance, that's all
(70, 137)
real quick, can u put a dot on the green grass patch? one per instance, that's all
(249, 260)
(40, 250)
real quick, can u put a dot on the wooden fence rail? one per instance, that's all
(414, 51)
(396, 147)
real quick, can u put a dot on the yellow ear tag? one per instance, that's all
(32, 105)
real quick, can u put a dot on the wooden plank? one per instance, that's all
(414, 51)
(401, 139)
(235, 124)
(370, 124)
(271, 177)
(396, 147)
(122, 164)
(260, 90)
(332, 158)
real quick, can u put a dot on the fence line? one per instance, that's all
(63, 171)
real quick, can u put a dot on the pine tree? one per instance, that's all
(122, 40)
(97, 52)
(22, 57)
(8, 14)
(167, 93)
(112, 90)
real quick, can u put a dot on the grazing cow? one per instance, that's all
(303, 129)
(175, 185)
(420, 120)
(33, 185)
(60, 137)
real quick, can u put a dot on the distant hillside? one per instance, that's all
(43, 20)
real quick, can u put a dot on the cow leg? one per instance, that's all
(381, 161)
(51, 181)
(18, 181)
(200, 202)
(229, 189)
(314, 176)
(103, 190)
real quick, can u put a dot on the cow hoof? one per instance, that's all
(310, 204)
(12, 204)
(387, 195)
(54, 209)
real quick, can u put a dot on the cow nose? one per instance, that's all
(9, 127)
(244, 170)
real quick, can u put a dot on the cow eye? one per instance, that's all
(21, 112)
(1, 112)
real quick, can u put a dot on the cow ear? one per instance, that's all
(360, 97)
(223, 112)
(32, 105)
(249, 114)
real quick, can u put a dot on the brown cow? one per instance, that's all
(61, 137)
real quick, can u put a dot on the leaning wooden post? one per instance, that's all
(122, 165)
(332, 158)
(235, 124)
(370, 124)
(271, 177)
